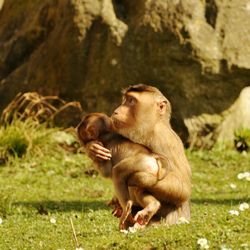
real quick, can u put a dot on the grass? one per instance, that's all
(47, 180)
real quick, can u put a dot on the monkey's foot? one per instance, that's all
(117, 209)
(128, 223)
(126, 219)
(142, 218)
(117, 212)
(114, 202)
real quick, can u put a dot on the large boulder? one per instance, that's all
(206, 129)
(196, 52)
(237, 117)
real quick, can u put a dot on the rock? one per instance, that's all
(196, 52)
(235, 118)
(201, 130)
(206, 130)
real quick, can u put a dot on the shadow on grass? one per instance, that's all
(44, 206)
(228, 201)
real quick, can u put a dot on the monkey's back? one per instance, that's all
(122, 147)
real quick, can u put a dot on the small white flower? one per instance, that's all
(241, 176)
(232, 185)
(203, 243)
(182, 220)
(244, 245)
(248, 178)
(53, 220)
(1, 221)
(79, 248)
(245, 175)
(243, 206)
(225, 248)
(234, 212)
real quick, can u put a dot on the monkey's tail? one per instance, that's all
(162, 170)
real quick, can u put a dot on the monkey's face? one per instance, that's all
(92, 126)
(87, 131)
(125, 115)
(143, 110)
(135, 114)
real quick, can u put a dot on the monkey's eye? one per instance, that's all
(130, 101)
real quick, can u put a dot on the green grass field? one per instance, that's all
(43, 185)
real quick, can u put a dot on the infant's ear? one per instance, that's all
(80, 130)
(92, 133)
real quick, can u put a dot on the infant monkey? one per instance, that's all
(132, 169)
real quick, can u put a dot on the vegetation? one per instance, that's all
(242, 139)
(45, 180)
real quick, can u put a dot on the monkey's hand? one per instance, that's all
(97, 151)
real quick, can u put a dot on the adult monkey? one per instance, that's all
(144, 118)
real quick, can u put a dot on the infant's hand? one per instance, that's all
(96, 150)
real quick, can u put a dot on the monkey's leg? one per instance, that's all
(121, 187)
(126, 219)
(174, 193)
(133, 171)
(151, 206)
(142, 180)
(172, 188)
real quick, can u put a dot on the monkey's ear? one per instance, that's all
(162, 107)
(92, 132)
(80, 130)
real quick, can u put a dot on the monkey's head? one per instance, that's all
(93, 126)
(141, 109)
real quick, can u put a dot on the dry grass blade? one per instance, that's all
(38, 107)
(65, 106)
(74, 233)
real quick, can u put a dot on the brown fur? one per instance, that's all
(133, 167)
(144, 118)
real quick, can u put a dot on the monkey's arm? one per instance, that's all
(96, 150)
